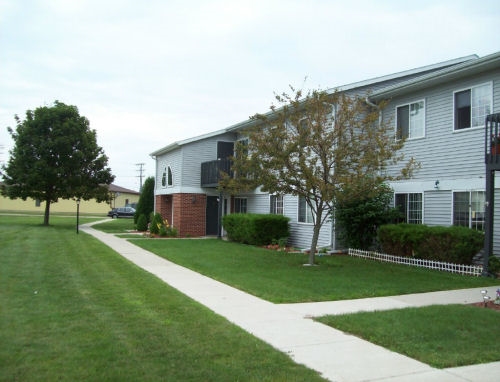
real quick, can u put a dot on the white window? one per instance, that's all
(410, 206)
(410, 120)
(468, 209)
(166, 177)
(471, 106)
(170, 179)
(276, 204)
(240, 205)
(305, 212)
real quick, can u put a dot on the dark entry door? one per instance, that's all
(212, 215)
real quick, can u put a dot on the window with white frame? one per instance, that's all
(410, 206)
(170, 179)
(471, 106)
(468, 209)
(240, 205)
(276, 204)
(164, 178)
(305, 211)
(410, 120)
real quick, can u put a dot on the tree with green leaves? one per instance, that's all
(55, 156)
(146, 203)
(313, 146)
(360, 219)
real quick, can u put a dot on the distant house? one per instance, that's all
(119, 197)
(440, 108)
(122, 197)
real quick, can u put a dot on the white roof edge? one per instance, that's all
(176, 144)
(240, 125)
(409, 72)
(466, 65)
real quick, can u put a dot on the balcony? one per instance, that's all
(211, 171)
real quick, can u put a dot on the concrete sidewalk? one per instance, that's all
(290, 329)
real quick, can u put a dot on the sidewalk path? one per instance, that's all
(289, 328)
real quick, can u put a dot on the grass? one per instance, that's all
(72, 309)
(441, 336)
(120, 226)
(282, 278)
(459, 335)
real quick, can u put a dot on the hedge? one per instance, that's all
(256, 229)
(454, 244)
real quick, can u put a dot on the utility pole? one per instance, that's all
(141, 172)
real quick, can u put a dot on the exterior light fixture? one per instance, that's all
(436, 185)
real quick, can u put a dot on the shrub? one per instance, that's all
(453, 244)
(142, 223)
(256, 229)
(360, 218)
(156, 223)
(163, 231)
(494, 265)
(145, 204)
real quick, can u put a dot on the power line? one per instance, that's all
(141, 174)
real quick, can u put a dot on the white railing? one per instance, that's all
(474, 270)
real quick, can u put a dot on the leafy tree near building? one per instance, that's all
(360, 219)
(55, 156)
(312, 146)
(146, 203)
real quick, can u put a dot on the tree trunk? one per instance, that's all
(314, 241)
(47, 212)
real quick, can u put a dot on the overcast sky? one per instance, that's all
(149, 73)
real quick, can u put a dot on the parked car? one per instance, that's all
(122, 212)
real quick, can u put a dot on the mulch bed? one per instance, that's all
(489, 305)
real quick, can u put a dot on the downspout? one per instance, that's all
(154, 192)
(370, 103)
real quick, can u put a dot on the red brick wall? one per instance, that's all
(164, 206)
(189, 214)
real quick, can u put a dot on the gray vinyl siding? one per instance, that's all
(185, 162)
(195, 153)
(438, 208)
(257, 203)
(444, 153)
(455, 158)
(301, 233)
(174, 160)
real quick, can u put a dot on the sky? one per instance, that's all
(152, 72)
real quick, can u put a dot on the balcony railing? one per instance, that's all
(211, 171)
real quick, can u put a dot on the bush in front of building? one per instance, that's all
(453, 244)
(142, 223)
(256, 229)
(145, 205)
(156, 223)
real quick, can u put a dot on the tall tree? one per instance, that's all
(55, 155)
(311, 146)
(146, 202)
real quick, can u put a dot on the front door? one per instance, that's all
(212, 215)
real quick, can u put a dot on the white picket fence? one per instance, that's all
(474, 270)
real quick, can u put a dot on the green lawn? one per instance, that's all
(72, 309)
(281, 278)
(118, 226)
(441, 336)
